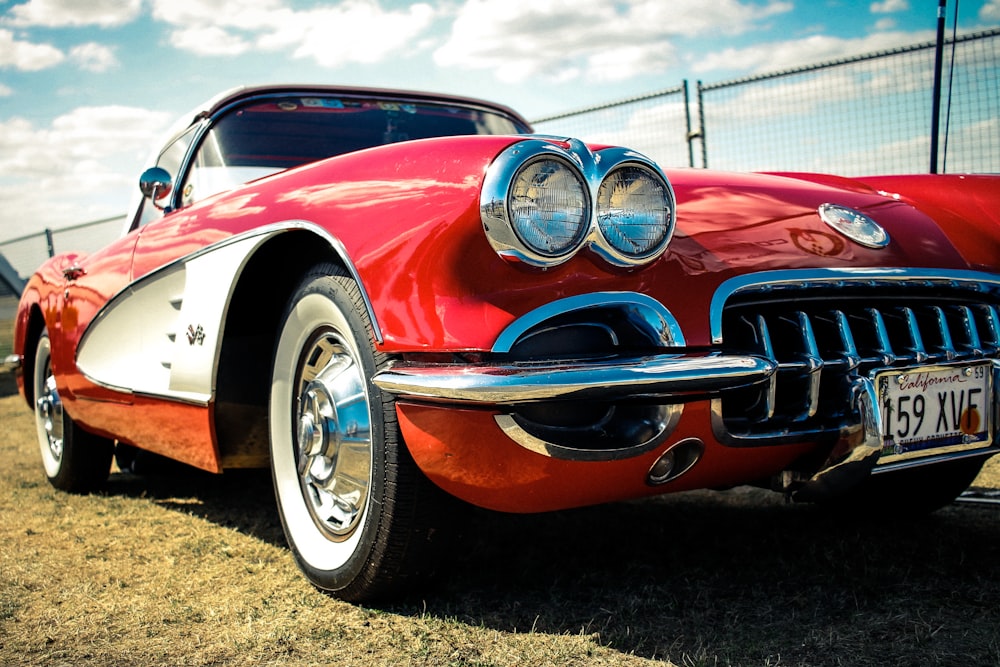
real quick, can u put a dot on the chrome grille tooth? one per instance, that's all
(991, 327)
(947, 344)
(848, 348)
(970, 344)
(914, 343)
(885, 356)
(770, 392)
(814, 365)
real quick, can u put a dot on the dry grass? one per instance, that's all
(192, 570)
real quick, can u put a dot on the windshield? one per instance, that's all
(264, 137)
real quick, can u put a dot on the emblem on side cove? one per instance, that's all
(854, 225)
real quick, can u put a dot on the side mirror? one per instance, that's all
(156, 183)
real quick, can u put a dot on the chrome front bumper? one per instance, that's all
(659, 376)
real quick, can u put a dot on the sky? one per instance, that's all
(87, 87)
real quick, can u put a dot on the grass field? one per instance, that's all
(193, 570)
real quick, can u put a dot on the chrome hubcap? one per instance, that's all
(50, 417)
(334, 443)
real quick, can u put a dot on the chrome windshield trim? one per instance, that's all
(775, 281)
(650, 314)
(659, 376)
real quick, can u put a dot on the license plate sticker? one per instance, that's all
(935, 408)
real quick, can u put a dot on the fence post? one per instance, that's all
(936, 94)
(701, 127)
(690, 136)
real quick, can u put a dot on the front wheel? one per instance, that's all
(355, 509)
(74, 460)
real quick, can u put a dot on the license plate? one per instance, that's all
(934, 409)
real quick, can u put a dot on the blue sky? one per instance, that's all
(88, 86)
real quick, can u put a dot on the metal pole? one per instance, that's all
(689, 136)
(48, 242)
(936, 102)
(701, 128)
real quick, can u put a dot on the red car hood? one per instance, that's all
(752, 222)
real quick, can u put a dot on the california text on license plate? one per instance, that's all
(935, 408)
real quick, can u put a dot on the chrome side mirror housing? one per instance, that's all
(156, 183)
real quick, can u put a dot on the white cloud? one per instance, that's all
(354, 31)
(91, 153)
(27, 56)
(889, 6)
(209, 40)
(73, 13)
(360, 32)
(990, 11)
(811, 50)
(93, 57)
(598, 39)
(5, 91)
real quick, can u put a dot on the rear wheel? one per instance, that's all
(74, 460)
(354, 507)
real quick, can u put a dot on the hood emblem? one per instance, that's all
(855, 225)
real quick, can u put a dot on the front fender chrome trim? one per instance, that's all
(192, 290)
(663, 376)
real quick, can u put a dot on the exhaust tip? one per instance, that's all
(676, 461)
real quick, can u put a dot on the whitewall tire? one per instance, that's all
(351, 500)
(74, 460)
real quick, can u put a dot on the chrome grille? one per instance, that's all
(825, 336)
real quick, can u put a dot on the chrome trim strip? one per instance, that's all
(646, 311)
(774, 281)
(659, 376)
(514, 431)
(931, 460)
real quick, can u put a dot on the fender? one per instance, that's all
(162, 335)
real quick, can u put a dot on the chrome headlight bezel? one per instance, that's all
(591, 171)
(500, 203)
(618, 225)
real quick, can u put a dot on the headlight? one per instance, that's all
(634, 213)
(548, 207)
(537, 204)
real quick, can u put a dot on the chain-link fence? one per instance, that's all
(26, 253)
(657, 124)
(865, 115)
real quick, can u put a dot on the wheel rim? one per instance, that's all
(333, 436)
(49, 418)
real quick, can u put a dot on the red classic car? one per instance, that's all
(384, 295)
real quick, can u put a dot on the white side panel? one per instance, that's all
(162, 335)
